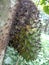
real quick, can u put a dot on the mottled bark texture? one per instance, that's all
(4, 9)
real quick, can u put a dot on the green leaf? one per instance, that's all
(46, 9)
(8, 60)
(42, 2)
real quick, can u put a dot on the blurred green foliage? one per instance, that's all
(45, 5)
(43, 2)
(46, 9)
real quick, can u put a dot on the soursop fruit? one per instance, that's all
(26, 30)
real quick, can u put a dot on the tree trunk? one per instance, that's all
(4, 9)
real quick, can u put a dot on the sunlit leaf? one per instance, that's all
(46, 9)
(42, 2)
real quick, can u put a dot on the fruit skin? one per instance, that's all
(26, 29)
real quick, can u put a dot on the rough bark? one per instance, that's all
(4, 29)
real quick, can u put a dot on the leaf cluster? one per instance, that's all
(45, 5)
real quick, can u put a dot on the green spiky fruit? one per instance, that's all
(26, 29)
